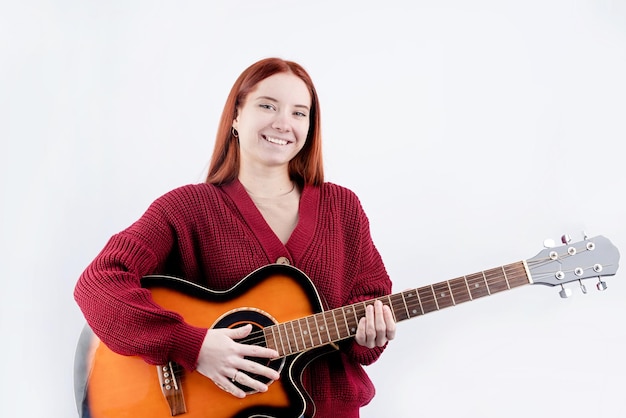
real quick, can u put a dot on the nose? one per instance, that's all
(281, 122)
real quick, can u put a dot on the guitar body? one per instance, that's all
(121, 386)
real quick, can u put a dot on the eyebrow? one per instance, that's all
(276, 101)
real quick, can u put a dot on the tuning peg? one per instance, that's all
(585, 236)
(583, 287)
(565, 293)
(601, 285)
(548, 243)
(566, 239)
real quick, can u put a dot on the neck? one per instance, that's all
(267, 186)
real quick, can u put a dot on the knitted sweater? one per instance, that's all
(214, 236)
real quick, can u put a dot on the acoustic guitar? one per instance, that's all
(287, 315)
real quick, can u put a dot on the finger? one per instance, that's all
(239, 332)
(244, 379)
(370, 327)
(247, 349)
(234, 390)
(257, 351)
(360, 332)
(254, 368)
(379, 324)
(229, 386)
(390, 323)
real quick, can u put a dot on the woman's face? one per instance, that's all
(274, 121)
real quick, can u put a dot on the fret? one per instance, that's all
(280, 339)
(486, 282)
(323, 328)
(508, 286)
(316, 330)
(353, 324)
(295, 337)
(322, 331)
(345, 320)
(342, 331)
(517, 274)
(419, 300)
(460, 290)
(286, 334)
(432, 289)
(427, 299)
(469, 292)
(406, 307)
(359, 312)
(270, 340)
(391, 307)
(451, 294)
(441, 291)
(414, 308)
(308, 328)
(495, 280)
(398, 307)
(477, 285)
(339, 333)
(329, 319)
(303, 333)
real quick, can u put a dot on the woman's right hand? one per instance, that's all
(222, 360)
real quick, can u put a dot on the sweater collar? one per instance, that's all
(301, 236)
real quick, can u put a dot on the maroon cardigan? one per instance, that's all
(214, 236)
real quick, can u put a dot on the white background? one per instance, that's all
(471, 130)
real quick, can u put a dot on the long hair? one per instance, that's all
(306, 167)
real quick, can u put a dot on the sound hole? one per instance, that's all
(259, 320)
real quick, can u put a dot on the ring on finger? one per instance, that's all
(234, 379)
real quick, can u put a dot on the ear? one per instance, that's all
(235, 123)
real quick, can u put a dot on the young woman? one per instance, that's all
(264, 201)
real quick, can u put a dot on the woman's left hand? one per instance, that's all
(377, 327)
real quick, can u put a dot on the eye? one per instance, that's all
(300, 114)
(267, 106)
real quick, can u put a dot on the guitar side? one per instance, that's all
(125, 386)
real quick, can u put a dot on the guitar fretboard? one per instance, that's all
(338, 324)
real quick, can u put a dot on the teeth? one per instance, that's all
(276, 140)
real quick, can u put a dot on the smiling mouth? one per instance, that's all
(276, 141)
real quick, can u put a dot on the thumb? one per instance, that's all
(240, 332)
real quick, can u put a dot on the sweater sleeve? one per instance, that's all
(122, 313)
(372, 282)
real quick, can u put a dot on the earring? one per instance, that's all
(234, 132)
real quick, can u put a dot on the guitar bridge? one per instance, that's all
(172, 388)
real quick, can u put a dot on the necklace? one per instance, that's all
(293, 187)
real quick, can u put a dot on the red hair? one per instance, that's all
(306, 167)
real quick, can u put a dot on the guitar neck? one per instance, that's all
(341, 323)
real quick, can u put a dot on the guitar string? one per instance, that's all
(258, 337)
(426, 298)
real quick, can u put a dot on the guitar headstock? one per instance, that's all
(592, 257)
